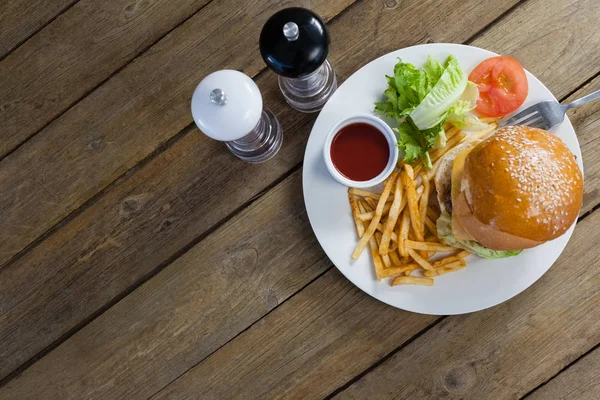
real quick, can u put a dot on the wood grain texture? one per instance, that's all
(586, 120)
(552, 39)
(580, 381)
(74, 54)
(314, 343)
(505, 351)
(202, 300)
(148, 216)
(128, 117)
(19, 19)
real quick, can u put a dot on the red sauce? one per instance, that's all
(360, 151)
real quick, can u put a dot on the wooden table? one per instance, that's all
(140, 259)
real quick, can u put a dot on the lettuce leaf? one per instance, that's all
(461, 113)
(408, 87)
(432, 110)
(421, 100)
(444, 227)
(415, 143)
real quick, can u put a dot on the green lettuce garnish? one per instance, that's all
(432, 110)
(421, 101)
(461, 114)
(444, 227)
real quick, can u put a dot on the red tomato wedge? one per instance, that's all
(502, 86)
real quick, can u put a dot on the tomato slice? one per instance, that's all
(502, 86)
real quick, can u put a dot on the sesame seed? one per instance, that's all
(541, 175)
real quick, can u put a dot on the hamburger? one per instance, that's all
(517, 189)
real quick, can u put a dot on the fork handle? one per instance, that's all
(592, 96)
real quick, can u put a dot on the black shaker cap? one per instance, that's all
(294, 42)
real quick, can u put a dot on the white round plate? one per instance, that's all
(483, 283)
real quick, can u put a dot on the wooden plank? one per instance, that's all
(120, 131)
(19, 19)
(164, 206)
(505, 351)
(170, 220)
(580, 381)
(128, 117)
(315, 342)
(586, 121)
(207, 296)
(529, 36)
(75, 53)
(302, 351)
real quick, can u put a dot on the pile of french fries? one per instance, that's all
(399, 224)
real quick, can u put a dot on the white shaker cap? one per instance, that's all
(227, 105)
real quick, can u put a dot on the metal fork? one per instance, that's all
(546, 114)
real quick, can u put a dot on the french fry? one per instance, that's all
(362, 206)
(417, 170)
(365, 193)
(393, 236)
(373, 248)
(430, 254)
(360, 227)
(412, 203)
(431, 227)
(483, 133)
(409, 171)
(411, 232)
(384, 257)
(431, 173)
(424, 202)
(431, 239)
(390, 223)
(365, 207)
(373, 224)
(403, 232)
(399, 269)
(453, 266)
(412, 280)
(369, 215)
(376, 258)
(432, 214)
(450, 259)
(394, 257)
(419, 192)
(488, 120)
(371, 203)
(456, 139)
(420, 260)
(437, 247)
(451, 132)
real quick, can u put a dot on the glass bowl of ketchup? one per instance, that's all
(361, 151)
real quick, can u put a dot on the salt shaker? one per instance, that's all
(227, 106)
(294, 43)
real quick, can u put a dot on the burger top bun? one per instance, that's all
(523, 182)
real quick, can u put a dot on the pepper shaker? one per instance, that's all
(294, 43)
(227, 106)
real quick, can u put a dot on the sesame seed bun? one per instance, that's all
(521, 182)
